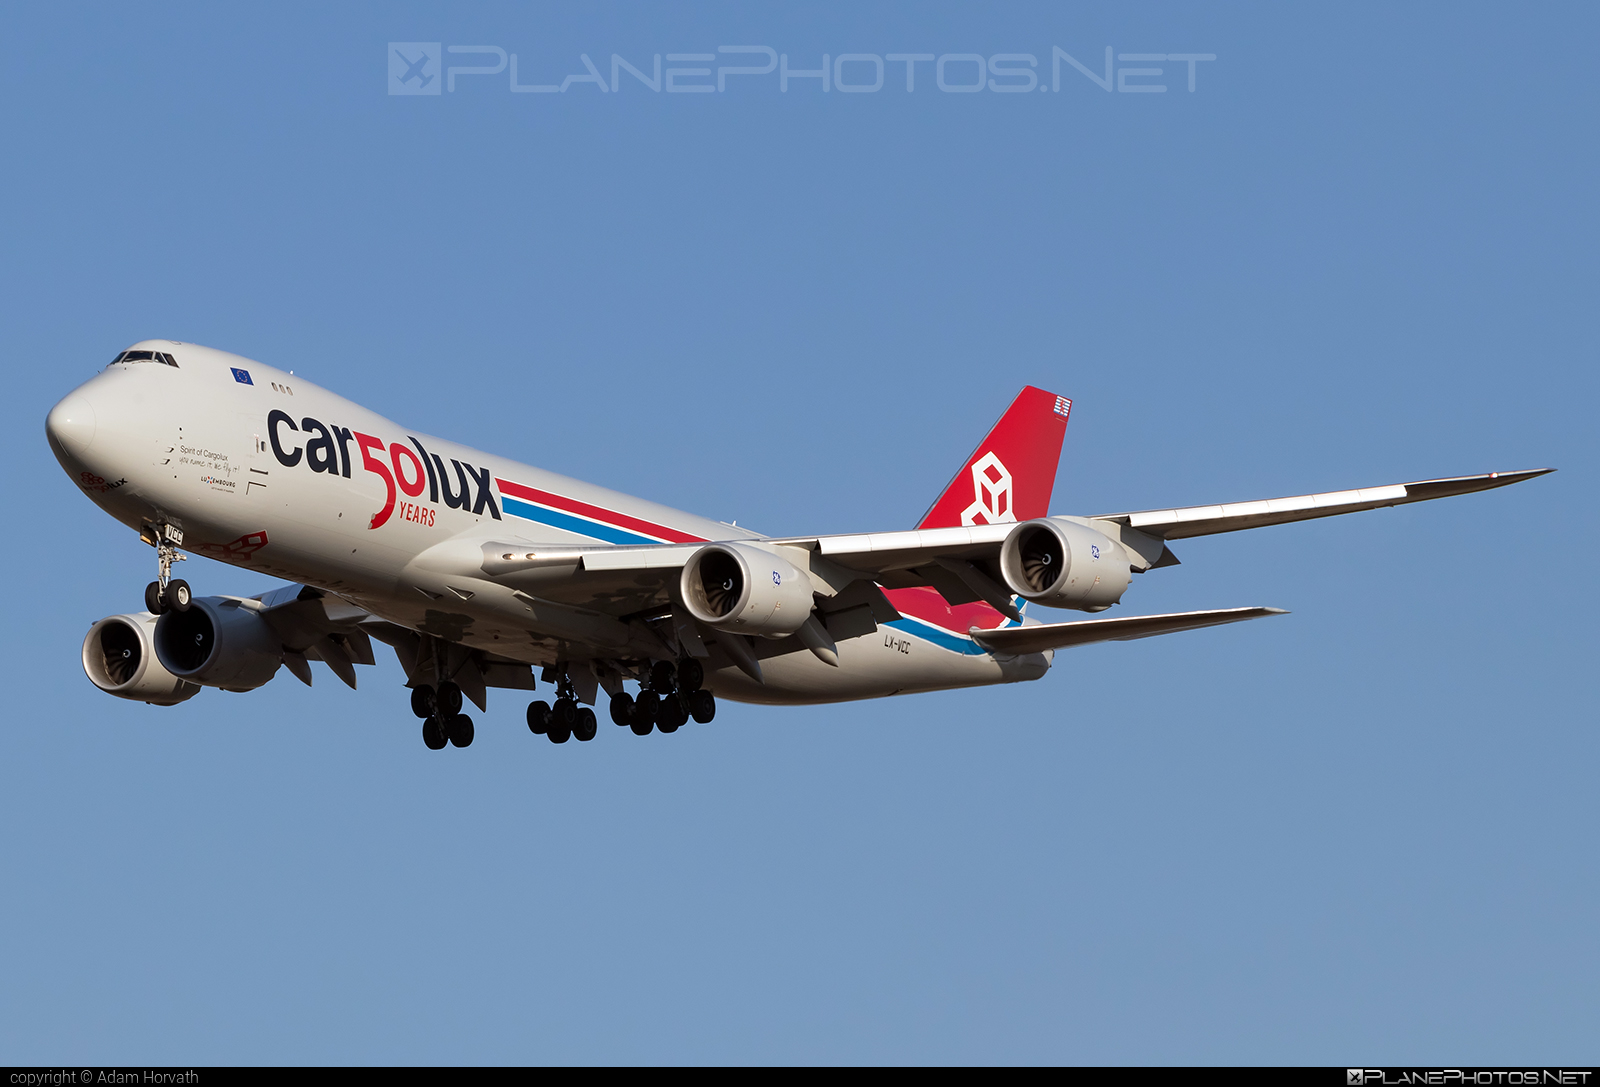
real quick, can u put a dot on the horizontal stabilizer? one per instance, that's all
(1037, 639)
(1176, 524)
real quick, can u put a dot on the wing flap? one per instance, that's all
(916, 545)
(1037, 639)
(666, 556)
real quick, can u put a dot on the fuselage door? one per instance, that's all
(256, 471)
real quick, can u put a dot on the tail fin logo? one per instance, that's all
(991, 493)
(1012, 470)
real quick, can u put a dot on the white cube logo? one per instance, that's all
(414, 68)
(991, 493)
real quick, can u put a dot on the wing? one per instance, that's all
(1037, 639)
(961, 563)
(1176, 524)
(962, 560)
(632, 579)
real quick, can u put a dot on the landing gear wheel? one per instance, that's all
(644, 711)
(586, 726)
(641, 727)
(558, 734)
(702, 706)
(433, 734)
(179, 596)
(690, 675)
(448, 700)
(461, 730)
(661, 676)
(423, 702)
(622, 708)
(152, 598)
(565, 714)
(538, 718)
(671, 715)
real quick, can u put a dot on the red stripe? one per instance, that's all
(583, 509)
(926, 604)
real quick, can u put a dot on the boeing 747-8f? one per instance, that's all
(482, 572)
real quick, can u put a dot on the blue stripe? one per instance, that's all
(944, 639)
(567, 522)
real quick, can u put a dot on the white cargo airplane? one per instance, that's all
(477, 569)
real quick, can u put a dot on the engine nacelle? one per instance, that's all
(1062, 564)
(745, 590)
(220, 643)
(119, 658)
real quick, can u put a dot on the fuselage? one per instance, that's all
(264, 470)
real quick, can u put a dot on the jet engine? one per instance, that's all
(119, 658)
(1063, 564)
(218, 642)
(745, 590)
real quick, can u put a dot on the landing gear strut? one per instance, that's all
(165, 594)
(449, 699)
(442, 720)
(566, 719)
(671, 695)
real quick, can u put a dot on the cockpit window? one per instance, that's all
(146, 356)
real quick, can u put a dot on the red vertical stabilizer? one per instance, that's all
(1010, 475)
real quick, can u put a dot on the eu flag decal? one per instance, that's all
(242, 376)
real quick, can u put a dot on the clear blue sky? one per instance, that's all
(1362, 251)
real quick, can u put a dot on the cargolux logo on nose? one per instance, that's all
(991, 493)
(326, 449)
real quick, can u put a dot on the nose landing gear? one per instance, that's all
(166, 594)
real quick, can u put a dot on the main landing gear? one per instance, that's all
(669, 697)
(165, 593)
(565, 720)
(442, 720)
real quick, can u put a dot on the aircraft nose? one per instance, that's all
(71, 424)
